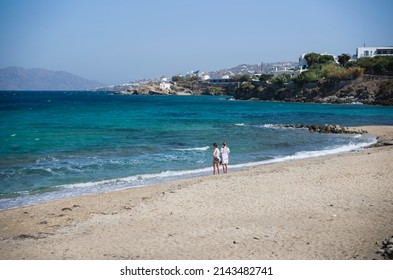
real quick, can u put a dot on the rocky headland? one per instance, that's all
(373, 90)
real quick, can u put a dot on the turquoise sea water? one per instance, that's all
(61, 144)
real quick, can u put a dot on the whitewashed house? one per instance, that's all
(373, 51)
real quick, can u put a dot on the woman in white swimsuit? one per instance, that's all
(225, 151)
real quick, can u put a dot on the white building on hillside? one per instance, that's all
(164, 84)
(205, 76)
(373, 51)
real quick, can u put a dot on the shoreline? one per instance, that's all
(148, 179)
(330, 207)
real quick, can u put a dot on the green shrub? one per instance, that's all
(308, 77)
(380, 65)
(281, 79)
(333, 72)
(247, 86)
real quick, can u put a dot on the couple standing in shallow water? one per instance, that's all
(220, 157)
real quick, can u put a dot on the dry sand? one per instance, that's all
(333, 207)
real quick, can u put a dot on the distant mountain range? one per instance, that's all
(17, 78)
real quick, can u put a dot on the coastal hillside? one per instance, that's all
(367, 81)
(321, 80)
(16, 78)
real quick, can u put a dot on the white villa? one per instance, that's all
(360, 52)
(373, 51)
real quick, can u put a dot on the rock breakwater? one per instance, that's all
(328, 128)
(336, 129)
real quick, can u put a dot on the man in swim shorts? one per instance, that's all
(216, 159)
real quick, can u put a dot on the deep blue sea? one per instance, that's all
(61, 144)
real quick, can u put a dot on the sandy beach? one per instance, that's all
(333, 207)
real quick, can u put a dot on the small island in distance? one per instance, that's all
(17, 78)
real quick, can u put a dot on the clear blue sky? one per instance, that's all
(116, 41)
